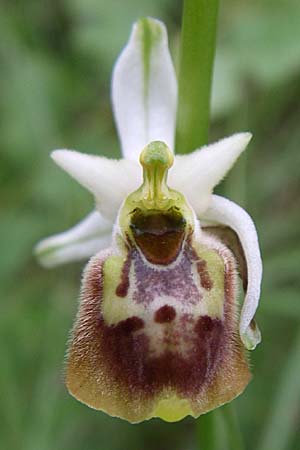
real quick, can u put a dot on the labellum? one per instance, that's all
(157, 333)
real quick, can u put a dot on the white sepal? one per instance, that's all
(223, 211)
(109, 180)
(85, 239)
(196, 174)
(144, 89)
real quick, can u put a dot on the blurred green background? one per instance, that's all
(56, 60)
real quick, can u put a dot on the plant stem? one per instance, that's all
(234, 435)
(198, 42)
(206, 431)
(220, 430)
(197, 53)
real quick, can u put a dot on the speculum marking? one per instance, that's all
(159, 234)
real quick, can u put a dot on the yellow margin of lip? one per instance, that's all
(172, 409)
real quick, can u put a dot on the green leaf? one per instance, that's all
(283, 302)
(282, 423)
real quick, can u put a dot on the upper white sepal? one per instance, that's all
(144, 89)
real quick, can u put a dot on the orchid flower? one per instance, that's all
(159, 332)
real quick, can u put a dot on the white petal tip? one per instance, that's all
(56, 250)
(79, 242)
(238, 140)
(60, 156)
(82, 167)
(150, 23)
(57, 153)
(245, 137)
(252, 336)
(148, 29)
(45, 252)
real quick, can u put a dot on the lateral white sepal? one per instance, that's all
(223, 211)
(83, 240)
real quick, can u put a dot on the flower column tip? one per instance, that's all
(156, 159)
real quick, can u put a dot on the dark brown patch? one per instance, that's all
(165, 314)
(123, 286)
(158, 234)
(128, 358)
(160, 249)
(129, 325)
(205, 279)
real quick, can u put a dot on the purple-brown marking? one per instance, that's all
(123, 286)
(206, 281)
(129, 360)
(129, 325)
(176, 281)
(165, 314)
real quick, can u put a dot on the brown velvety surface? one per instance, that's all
(113, 368)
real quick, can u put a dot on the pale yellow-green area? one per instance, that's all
(214, 298)
(172, 409)
(252, 336)
(114, 308)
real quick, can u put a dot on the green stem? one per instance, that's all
(198, 42)
(233, 432)
(197, 53)
(207, 427)
(219, 430)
